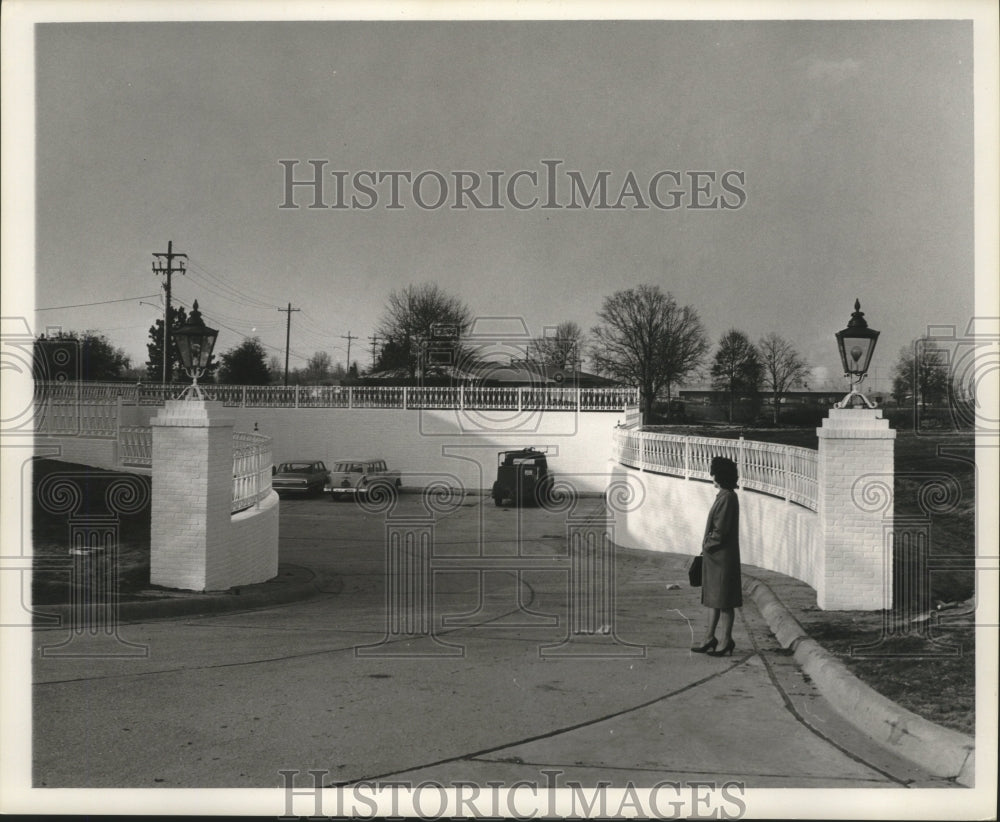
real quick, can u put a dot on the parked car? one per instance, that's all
(522, 478)
(351, 478)
(300, 477)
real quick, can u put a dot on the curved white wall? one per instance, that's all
(656, 512)
(253, 543)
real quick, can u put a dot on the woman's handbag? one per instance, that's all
(694, 572)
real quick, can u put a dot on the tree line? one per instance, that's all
(643, 338)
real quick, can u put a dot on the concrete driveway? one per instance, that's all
(493, 658)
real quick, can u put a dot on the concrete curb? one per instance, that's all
(938, 750)
(174, 604)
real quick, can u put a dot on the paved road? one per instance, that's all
(229, 701)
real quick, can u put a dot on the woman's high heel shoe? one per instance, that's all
(707, 647)
(726, 649)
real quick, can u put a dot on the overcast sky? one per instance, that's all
(853, 140)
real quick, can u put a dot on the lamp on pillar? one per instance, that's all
(195, 342)
(856, 344)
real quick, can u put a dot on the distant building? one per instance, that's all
(516, 373)
(710, 396)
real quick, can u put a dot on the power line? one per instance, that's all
(235, 295)
(102, 302)
(208, 286)
(211, 316)
(226, 284)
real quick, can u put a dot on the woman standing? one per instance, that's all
(721, 583)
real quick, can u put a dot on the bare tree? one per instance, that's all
(562, 350)
(737, 367)
(647, 340)
(276, 369)
(317, 368)
(921, 374)
(421, 322)
(783, 367)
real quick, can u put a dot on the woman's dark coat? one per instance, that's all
(721, 583)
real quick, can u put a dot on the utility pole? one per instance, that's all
(288, 335)
(374, 339)
(166, 266)
(349, 337)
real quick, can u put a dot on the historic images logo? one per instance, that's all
(555, 798)
(524, 189)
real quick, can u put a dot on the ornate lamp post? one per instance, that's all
(856, 344)
(195, 341)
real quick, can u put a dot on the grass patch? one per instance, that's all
(928, 668)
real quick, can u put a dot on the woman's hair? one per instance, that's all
(724, 471)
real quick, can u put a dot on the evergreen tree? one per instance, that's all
(737, 368)
(79, 356)
(175, 366)
(245, 364)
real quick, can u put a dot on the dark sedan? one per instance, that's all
(301, 477)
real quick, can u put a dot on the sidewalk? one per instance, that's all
(940, 751)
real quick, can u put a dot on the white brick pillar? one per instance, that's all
(856, 555)
(192, 496)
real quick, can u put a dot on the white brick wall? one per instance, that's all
(197, 544)
(252, 554)
(855, 447)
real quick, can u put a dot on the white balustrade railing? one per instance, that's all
(85, 418)
(268, 396)
(135, 445)
(251, 461)
(378, 396)
(251, 469)
(433, 397)
(500, 398)
(785, 471)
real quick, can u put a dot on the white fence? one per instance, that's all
(785, 471)
(251, 469)
(251, 461)
(135, 445)
(525, 398)
(90, 418)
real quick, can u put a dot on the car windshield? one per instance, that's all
(296, 467)
(349, 467)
